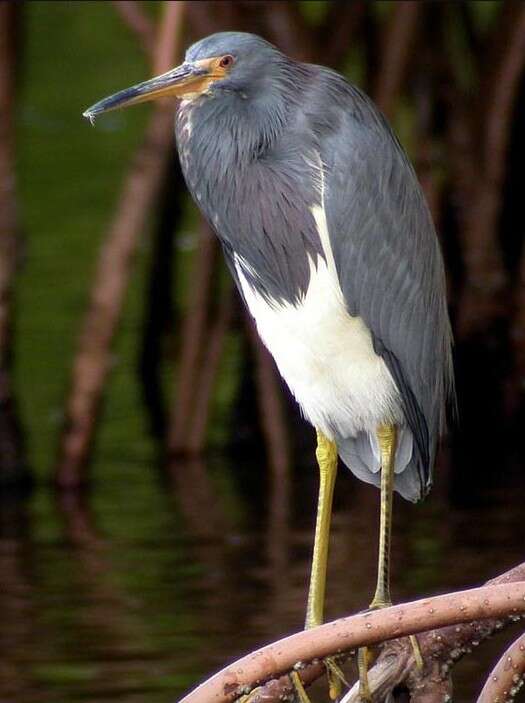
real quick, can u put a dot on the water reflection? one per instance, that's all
(143, 588)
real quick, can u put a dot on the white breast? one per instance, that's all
(324, 354)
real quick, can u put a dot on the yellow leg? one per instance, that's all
(387, 439)
(327, 459)
(299, 688)
(326, 454)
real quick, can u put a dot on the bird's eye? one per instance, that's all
(226, 61)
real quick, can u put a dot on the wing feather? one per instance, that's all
(389, 263)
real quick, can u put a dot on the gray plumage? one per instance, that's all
(329, 239)
(327, 234)
(247, 150)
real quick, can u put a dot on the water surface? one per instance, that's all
(150, 585)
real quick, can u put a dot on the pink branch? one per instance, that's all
(397, 46)
(363, 629)
(208, 373)
(169, 40)
(139, 23)
(193, 341)
(92, 361)
(507, 676)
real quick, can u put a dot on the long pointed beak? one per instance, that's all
(177, 82)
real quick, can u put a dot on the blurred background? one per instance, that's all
(157, 483)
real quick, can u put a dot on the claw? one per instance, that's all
(299, 688)
(336, 678)
(417, 652)
(363, 656)
(248, 697)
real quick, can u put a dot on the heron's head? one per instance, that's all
(218, 65)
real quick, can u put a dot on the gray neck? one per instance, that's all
(256, 197)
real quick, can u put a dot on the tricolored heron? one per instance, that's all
(328, 236)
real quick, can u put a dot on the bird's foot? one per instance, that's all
(365, 656)
(336, 679)
(301, 694)
(364, 659)
(249, 697)
(417, 652)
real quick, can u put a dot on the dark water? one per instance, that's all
(149, 585)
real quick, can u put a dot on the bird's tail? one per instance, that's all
(361, 455)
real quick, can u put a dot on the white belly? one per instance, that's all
(324, 354)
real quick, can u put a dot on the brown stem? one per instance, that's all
(336, 34)
(273, 424)
(482, 184)
(18, 622)
(11, 455)
(208, 374)
(168, 41)
(369, 628)
(281, 689)
(192, 487)
(288, 29)
(92, 361)
(428, 77)
(202, 17)
(270, 408)
(514, 69)
(193, 341)
(441, 649)
(139, 23)
(507, 676)
(397, 45)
